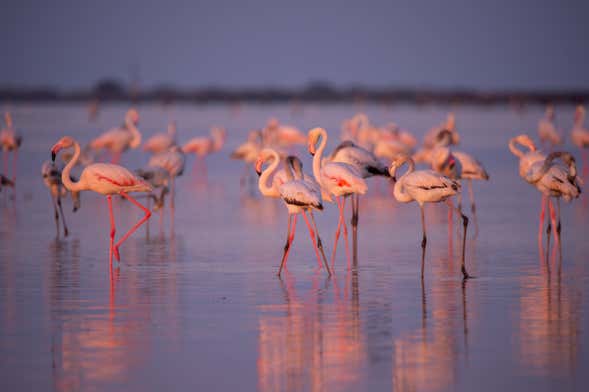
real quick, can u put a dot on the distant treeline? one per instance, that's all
(112, 90)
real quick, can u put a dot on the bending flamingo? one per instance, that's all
(580, 137)
(547, 132)
(107, 179)
(119, 140)
(161, 141)
(299, 196)
(173, 161)
(10, 141)
(425, 186)
(337, 179)
(52, 179)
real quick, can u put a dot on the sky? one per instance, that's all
(523, 44)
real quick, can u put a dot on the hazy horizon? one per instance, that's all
(529, 45)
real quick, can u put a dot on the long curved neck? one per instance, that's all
(514, 150)
(536, 175)
(263, 180)
(399, 188)
(318, 156)
(65, 173)
(136, 141)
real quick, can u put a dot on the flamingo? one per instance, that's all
(547, 132)
(173, 161)
(526, 160)
(283, 135)
(431, 138)
(425, 186)
(556, 181)
(52, 179)
(248, 152)
(368, 165)
(580, 137)
(106, 179)
(10, 141)
(299, 196)
(161, 141)
(158, 178)
(203, 146)
(120, 139)
(337, 179)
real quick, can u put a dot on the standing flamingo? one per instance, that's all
(425, 186)
(10, 141)
(547, 132)
(161, 141)
(431, 138)
(368, 165)
(337, 179)
(299, 196)
(526, 160)
(554, 180)
(580, 137)
(107, 179)
(203, 146)
(173, 161)
(120, 139)
(52, 179)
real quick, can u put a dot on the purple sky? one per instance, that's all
(495, 44)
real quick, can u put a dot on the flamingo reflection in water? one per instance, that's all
(300, 195)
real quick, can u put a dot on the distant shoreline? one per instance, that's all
(111, 91)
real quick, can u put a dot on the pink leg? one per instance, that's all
(346, 233)
(5, 162)
(289, 240)
(116, 157)
(141, 221)
(312, 233)
(337, 231)
(112, 228)
(553, 221)
(542, 214)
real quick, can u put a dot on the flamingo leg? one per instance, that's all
(116, 157)
(132, 230)
(5, 162)
(354, 222)
(14, 163)
(56, 213)
(289, 240)
(558, 226)
(553, 220)
(312, 233)
(542, 215)
(423, 239)
(473, 207)
(345, 226)
(113, 229)
(465, 274)
(337, 230)
(65, 230)
(319, 244)
(585, 158)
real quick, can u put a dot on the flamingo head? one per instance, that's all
(313, 138)
(263, 157)
(526, 141)
(397, 163)
(64, 142)
(133, 116)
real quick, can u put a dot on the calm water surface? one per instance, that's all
(197, 304)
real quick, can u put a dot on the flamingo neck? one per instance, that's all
(318, 156)
(136, 141)
(65, 173)
(263, 180)
(399, 188)
(514, 150)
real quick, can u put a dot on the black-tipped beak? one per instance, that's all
(394, 178)
(53, 156)
(259, 173)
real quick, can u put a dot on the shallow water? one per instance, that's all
(198, 303)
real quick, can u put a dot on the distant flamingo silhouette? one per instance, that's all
(120, 139)
(10, 141)
(580, 137)
(161, 141)
(107, 179)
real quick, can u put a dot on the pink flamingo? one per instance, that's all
(248, 152)
(580, 137)
(10, 141)
(425, 186)
(283, 135)
(203, 146)
(547, 132)
(337, 179)
(120, 139)
(107, 179)
(431, 138)
(161, 141)
(299, 196)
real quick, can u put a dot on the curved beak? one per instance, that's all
(259, 167)
(54, 150)
(311, 148)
